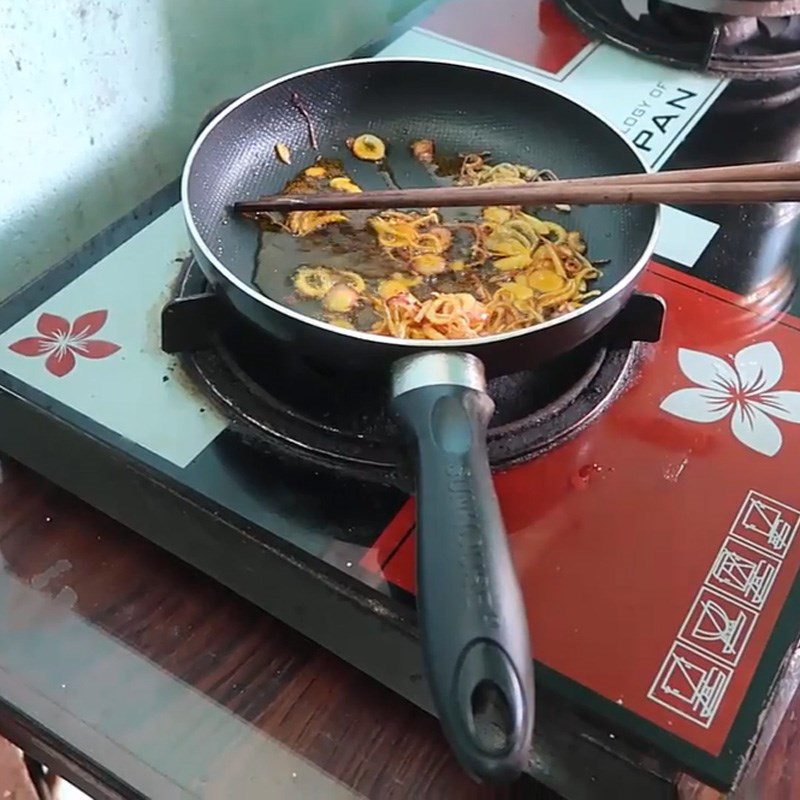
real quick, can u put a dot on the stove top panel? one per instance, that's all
(95, 347)
(664, 533)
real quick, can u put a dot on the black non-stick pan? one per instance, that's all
(472, 617)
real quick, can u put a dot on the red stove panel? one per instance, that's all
(656, 549)
(537, 34)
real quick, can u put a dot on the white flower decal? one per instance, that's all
(742, 389)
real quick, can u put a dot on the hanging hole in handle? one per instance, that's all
(492, 720)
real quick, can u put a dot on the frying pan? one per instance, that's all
(472, 618)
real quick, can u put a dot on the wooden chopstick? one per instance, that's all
(766, 171)
(747, 183)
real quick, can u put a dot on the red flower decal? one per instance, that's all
(61, 342)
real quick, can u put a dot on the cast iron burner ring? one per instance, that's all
(284, 406)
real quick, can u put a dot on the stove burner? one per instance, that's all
(286, 406)
(743, 8)
(692, 34)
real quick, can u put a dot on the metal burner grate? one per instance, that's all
(753, 48)
(285, 405)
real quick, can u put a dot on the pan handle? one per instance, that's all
(472, 617)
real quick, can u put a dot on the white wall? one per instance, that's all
(99, 99)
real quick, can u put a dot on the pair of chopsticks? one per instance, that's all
(769, 182)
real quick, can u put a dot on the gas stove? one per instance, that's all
(646, 481)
